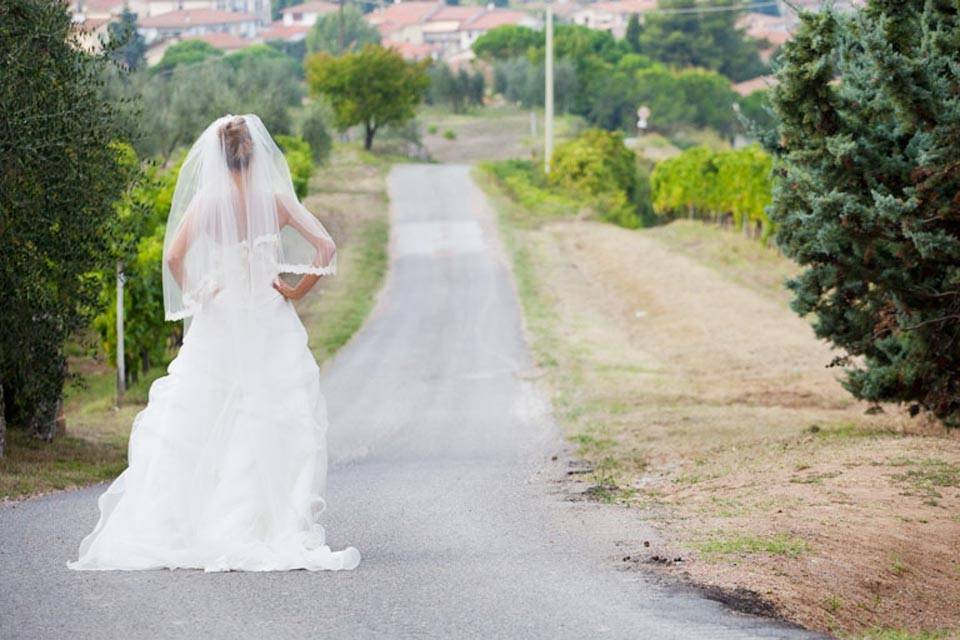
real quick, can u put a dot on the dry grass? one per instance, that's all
(489, 134)
(700, 400)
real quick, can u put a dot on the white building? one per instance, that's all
(306, 14)
(198, 22)
(611, 16)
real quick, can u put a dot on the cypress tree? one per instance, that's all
(867, 194)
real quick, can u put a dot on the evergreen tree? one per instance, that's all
(60, 177)
(708, 39)
(866, 191)
(632, 35)
(325, 36)
(127, 46)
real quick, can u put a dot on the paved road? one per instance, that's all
(441, 476)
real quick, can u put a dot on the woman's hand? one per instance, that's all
(288, 292)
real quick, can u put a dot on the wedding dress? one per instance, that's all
(227, 462)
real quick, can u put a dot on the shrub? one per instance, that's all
(313, 129)
(715, 185)
(299, 158)
(598, 166)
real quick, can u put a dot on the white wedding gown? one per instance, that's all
(227, 462)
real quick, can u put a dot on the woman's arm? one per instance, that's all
(178, 250)
(315, 234)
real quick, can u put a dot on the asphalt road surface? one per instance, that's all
(441, 476)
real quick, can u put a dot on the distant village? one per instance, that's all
(418, 29)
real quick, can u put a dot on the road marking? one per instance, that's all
(440, 237)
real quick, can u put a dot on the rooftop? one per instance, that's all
(193, 17)
(315, 6)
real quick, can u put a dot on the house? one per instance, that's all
(307, 13)
(449, 29)
(759, 83)
(403, 21)
(196, 22)
(414, 52)
(492, 19)
(442, 27)
(287, 33)
(774, 30)
(152, 8)
(91, 32)
(84, 10)
(226, 42)
(612, 16)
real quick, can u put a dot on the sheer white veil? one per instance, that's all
(235, 221)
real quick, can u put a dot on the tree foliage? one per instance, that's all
(142, 214)
(707, 39)
(60, 174)
(509, 41)
(186, 52)
(126, 46)
(299, 158)
(457, 90)
(313, 129)
(866, 194)
(324, 37)
(597, 166)
(177, 105)
(372, 88)
(721, 186)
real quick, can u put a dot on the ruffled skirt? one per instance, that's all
(227, 462)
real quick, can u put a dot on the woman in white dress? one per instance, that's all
(227, 462)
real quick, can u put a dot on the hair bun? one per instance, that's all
(237, 143)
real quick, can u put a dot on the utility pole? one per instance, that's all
(548, 116)
(340, 40)
(121, 362)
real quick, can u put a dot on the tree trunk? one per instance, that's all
(369, 131)
(48, 421)
(3, 422)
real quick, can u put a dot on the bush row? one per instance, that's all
(728, 187)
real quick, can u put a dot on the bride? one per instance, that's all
(227, 462)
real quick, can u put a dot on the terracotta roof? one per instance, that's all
(764, 27)
(496, 18)
(91, 24)
(96, 6)
(222, 41)
(315, 6)
(411, 51)
(279, 31)
(564, 9)
(404, 13)
(386, 28)
(625, 6)
(192, 17)
(456, 13)
(747, 87)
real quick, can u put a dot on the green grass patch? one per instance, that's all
(524, 183)
(345, 307)
(780, 544)
(31, 466)
(926, 477)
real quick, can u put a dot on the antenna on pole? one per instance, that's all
(548, 72)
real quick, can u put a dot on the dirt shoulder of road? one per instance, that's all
(698, 400)
(349, 195)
